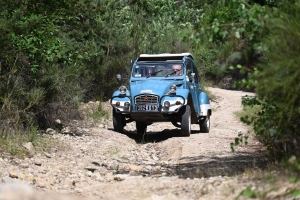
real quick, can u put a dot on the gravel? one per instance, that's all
(99, 163)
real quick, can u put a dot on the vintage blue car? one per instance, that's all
(162, 88)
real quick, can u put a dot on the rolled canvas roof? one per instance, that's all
(164, 57)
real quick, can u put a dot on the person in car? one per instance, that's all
(177, 70)
(149, 72)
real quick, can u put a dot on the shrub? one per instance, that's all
(278, 87)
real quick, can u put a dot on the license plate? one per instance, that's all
(146, 108)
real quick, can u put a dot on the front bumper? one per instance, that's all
(175, 102)
(167, 104)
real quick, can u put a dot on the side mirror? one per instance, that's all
(119, 78)
(191, 77)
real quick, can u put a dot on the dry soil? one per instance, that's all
(98, 163)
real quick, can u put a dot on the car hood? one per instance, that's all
(157, 87)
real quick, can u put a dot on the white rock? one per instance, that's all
(120, 177)
(29, 147)
(38, 162)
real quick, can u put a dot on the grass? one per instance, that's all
(275, 182)
(98, 115)
(97, 111)
(12, 142)
(249, 112)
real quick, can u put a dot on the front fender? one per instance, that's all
(121, 99)
(205, 108)
(185, 93)
(176, 101)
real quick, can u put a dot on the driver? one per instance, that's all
(177, 70)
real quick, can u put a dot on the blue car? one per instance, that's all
(162, 88)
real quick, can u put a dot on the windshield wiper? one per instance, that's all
(171, 73)
(153, 73)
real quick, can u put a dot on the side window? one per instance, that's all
(189, 68)
(196, 73)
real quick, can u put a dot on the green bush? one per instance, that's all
(277, 86)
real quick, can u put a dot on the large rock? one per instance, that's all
(29, 147)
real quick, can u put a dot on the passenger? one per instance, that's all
(149, 72)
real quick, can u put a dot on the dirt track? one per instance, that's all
(103, 164)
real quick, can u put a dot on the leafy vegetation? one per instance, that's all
(276, 83)
(12, 143)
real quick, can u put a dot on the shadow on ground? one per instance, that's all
(150, 137)
(204, 166)
(196, 167)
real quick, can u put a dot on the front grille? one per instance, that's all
(146, 99)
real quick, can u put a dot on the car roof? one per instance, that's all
(164, 57)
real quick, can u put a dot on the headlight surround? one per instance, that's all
(172, 88)
(122, 89)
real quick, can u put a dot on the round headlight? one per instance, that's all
(167, 104)
(122, 89)
(172, 89)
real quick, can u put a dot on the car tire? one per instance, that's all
(205, 124)
(118, 122)
(186, 121)
(141, 128)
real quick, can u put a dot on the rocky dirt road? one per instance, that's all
(102, 164)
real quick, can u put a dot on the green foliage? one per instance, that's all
(229, 33)
(276, 81)
(56, 54)
(100, 113)
(293, 165)
(31, 134)
(249, 114)
(280, 69)
(296, 193)
(250, 82)
(241, 140)
(12, 142)
(249, 193)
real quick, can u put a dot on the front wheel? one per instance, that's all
(118, 122)
(205, 124)
(186, 121)
(141, 128)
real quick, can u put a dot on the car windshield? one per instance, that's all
(157, 70)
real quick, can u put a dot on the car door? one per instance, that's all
(193, 84)
(197, 88)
